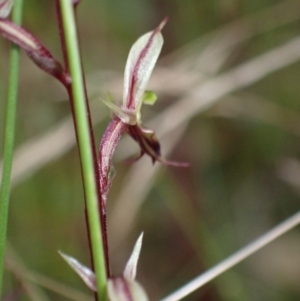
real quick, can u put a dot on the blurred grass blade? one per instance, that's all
(34, 282)
(236, 258)
(15, 265)
(9, 137)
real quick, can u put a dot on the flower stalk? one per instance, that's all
(68, 87)
(85, 147)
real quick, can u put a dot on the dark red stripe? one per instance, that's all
(130, 104)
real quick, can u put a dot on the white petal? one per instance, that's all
(85, 273)
(121, 289)
(5, 7)
(131, 266)
(140, 63)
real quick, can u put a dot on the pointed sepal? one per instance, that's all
(35, 50)
(131, 266)
(85, 273)
(140, 63)
(122, 289)
(5, 8)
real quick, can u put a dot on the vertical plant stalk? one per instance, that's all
(102, 209)
(9, 137)
(84, 144)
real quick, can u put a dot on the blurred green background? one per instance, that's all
(228, 89)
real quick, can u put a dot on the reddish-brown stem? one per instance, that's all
(61, 35)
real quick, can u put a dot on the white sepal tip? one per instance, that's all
(5, 8)
(85, 273)
(131, 266)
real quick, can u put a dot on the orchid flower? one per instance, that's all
(120, 288)
(140, 63)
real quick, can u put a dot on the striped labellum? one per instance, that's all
(140, 63)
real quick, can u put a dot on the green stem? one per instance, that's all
(85, 147)
(9, 137)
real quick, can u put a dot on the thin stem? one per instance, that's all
(84, 143)
(236, 258)
(102, 209)
(9, 137)
(93, 144)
